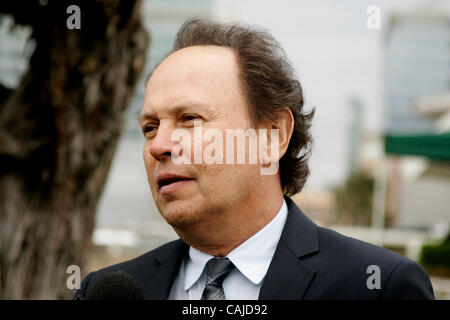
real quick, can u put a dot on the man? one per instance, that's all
(241, 236)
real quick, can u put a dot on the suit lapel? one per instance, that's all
(288, 277)
(167, 266)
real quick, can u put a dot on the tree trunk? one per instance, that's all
(58, 133)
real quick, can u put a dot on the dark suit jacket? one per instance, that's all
(310, 262)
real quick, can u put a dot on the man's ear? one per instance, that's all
(285, 124)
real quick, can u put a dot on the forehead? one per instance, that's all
(198, 75)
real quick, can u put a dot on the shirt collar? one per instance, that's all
(252, 258)
(194, 266)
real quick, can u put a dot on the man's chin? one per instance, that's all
(179, 221)
(179, 214)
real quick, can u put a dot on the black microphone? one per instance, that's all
(116, 286)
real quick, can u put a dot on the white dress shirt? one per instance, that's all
(251, 260)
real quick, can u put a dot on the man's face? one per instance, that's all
(195, 83)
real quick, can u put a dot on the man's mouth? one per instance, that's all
(167, 181)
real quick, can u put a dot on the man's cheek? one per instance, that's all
(147, 160)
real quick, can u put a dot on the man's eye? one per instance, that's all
(148, 129)
(189, 117)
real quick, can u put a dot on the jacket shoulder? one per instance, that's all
(331, 242)
(355, 269)
(134, 265)
(139, 267)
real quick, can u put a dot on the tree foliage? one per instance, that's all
(353, 201)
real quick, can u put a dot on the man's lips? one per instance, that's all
(166, 180)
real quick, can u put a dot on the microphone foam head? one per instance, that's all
(116, 286)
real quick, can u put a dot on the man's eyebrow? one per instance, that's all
(145, 116)
(179, 109)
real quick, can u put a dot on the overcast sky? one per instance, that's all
(336, 57)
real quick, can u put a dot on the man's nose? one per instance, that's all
(161, 145)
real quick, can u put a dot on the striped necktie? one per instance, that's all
(216, 271)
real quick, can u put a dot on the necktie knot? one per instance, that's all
(216, 271)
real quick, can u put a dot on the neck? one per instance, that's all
(227, 230)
